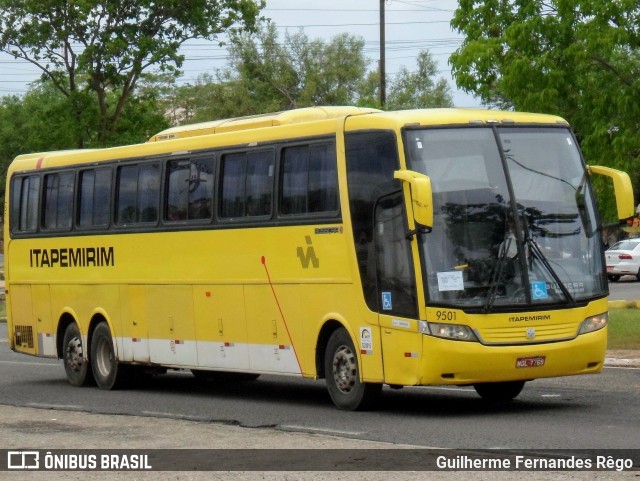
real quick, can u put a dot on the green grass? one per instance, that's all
(624, 329)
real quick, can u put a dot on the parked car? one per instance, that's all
(623, 259)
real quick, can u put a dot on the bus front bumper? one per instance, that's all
(459, 363)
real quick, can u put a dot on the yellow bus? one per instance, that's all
(423, 247)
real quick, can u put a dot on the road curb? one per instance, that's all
(614, 362)
(624, 304)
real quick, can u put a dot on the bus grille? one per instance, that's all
(24, 336)
(528, 334)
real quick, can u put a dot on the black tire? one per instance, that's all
(342, 375)
(224, 377)
(499, 391)
(107, 371)
(76, 363)
(614, 278)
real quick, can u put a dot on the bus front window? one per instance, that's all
(514, 220)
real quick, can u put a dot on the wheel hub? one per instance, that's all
(74, 357)
(344, 369)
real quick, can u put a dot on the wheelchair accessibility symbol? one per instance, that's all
(539, 290)
(386, 301)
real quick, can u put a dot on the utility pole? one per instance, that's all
(383, 74)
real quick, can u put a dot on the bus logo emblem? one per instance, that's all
(309, 256)
(531, 333)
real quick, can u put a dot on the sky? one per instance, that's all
(410, 26)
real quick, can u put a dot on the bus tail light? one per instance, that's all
(594, 323)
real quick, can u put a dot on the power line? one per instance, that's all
(414, 8)
(362, 24)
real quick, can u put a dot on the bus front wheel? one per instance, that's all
(499, 391)
(107, 371)
(76, 365)
(343, 375)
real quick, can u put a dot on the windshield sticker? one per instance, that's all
(387, 305)
(539, 290)
(450, 281)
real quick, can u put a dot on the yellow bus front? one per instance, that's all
(488, 255)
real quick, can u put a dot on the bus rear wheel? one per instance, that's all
(343, 375)
(499, 391)
(76, 365)
(107, 371)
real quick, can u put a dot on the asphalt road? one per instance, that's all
(581, 412)
(627, 289)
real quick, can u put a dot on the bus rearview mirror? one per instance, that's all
(421, 196)
(622, 188)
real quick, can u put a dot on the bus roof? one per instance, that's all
(357, 118)
(295, 116)
(452, 116)
(403, 117)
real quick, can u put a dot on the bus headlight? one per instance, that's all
(594, 323)
(456, 332)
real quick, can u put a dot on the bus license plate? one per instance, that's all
(536, 361)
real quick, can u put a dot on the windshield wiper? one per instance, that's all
(497, 273)
(538, 254)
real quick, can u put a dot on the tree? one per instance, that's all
(265, 74)
(43, 120)
(411, 90)
(96, 52)
(576, 58)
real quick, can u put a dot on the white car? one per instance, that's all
(623, 259)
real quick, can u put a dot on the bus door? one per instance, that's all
(397, 293)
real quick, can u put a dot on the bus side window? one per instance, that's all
(232, 185)
(25, 201)
(247, 184)
(323, 179)
(309, 180)
(138, 193)
(189, 189)
(58, 201)
(94, 197)
(259, 183)
(201, 189)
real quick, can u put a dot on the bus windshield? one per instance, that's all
(514, 218)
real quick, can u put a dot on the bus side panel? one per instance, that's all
(24, 333)
(134, 326)
(170, 317)
(221, 329)
(402, 352)
(86, 302)
(44, 323)
(271, 349)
